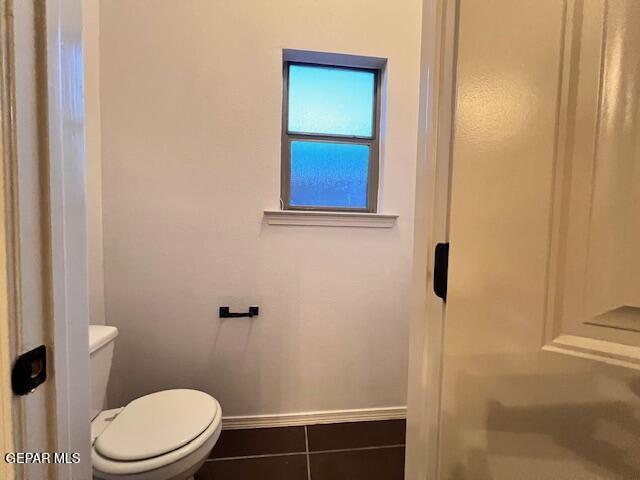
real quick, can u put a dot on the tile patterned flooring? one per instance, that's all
(337, 451)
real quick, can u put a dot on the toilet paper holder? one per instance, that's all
(225, 313)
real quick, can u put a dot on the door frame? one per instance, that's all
(68, 213)
(435, 134)
(61, 197)
(7, 243)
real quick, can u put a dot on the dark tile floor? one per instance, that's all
(337, 451)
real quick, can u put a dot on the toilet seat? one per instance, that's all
(157, 424)
(156, 431)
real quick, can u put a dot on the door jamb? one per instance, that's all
(9, 409)
(68, 217)
(437, 102)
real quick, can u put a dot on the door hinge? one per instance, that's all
(441, 270)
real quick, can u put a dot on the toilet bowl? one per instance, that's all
(165, 435)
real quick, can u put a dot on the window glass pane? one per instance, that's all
(329, 174)
(331, 101)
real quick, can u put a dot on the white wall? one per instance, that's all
(93, 151)
(191, 120)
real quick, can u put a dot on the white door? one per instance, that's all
(541, 341)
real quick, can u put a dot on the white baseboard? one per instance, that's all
(312, 418)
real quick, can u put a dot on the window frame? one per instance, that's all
(373, 142)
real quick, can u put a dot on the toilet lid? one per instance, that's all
(157, 424)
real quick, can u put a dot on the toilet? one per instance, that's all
(165, 435)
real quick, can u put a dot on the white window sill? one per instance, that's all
(329, 219)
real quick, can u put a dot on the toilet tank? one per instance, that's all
(101, 343)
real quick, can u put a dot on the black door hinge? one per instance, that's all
(441, 270)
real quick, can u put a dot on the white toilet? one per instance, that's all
(166, 435)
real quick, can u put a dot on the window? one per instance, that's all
(330, 137)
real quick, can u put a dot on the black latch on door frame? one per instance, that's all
(29, 371)
(441, 270)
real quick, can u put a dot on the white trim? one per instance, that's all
(9, 409)
(612, 353)
(435, 130)
(329, 219)
(69, 271)
(313, 418)
(335, 59)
